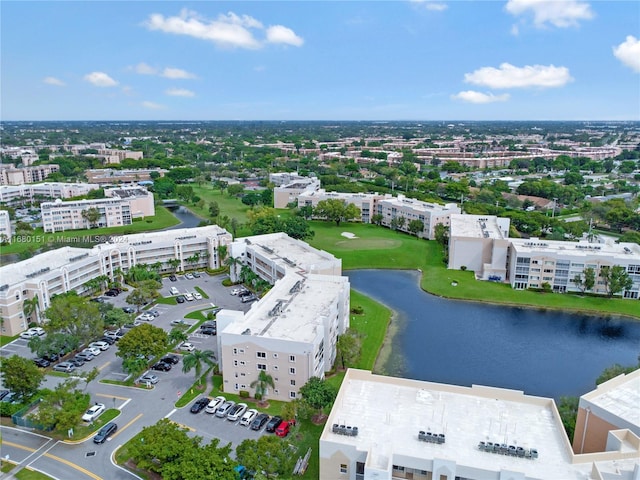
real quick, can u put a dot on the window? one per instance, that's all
(242, 362)
(292, 358)
(398, 468)
(262, 366)
(275, 355)
(292, 371)
(235, 363)
(292, 394)
(275, 367)
(343, 468)
(293, 383)
(261, 355)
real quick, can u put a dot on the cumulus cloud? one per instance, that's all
(432, 5)
(152, 105)
(100, 79)
(280, 34)
(144, 69)
(472, 96)
(508, 76)
(230, 30)
(180, 92)
(177, 73)
(53, 81)
(559, 13)
(628, 52)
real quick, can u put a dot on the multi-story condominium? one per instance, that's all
(366, 202)
(10, 175)
(113, 155)
(533, 263)
(69, 268)
(291, 333)
(113, 177)
(386, 428)
(5, 227)
(119, 208)
(27, 155)
(479, 243)
(613, 405)
(283, 178)
(48, 190)
(287, 193)
(430, 214)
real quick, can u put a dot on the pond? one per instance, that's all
(542, 352)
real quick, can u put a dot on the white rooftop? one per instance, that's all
(170, 235)
(619, 396)
(419, 205)
(475, 226)
(624, 251)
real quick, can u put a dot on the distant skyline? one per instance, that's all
(320, 60)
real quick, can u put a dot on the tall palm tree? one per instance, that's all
(177, 335)
(174, 263)
(196, 360)
(32, 306)
(263, 381)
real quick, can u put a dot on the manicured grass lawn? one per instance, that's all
(167, 300)
(4, 340)
(201, 292)
(28, 474)
(229, 206)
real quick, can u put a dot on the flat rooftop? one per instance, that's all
(170, 235)
(419, 205)
(619, 396)
(475, 226)
(293, 309)
(624, 251)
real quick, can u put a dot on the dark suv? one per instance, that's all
(259, 421)
(273, 424)
(105, 432)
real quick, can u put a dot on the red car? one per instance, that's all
(283, 428)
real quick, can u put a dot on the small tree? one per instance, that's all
(616, 279)
(348, 348)
(416, 226)
(91, 215)
(21, 376)
(318, 393)
(261, 384)
(585, 280)
(336, 210)
(196, 360)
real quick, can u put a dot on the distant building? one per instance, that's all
(286, 193)
(366, 202)
(430, 214)
(5, 227)
(114, 177)
(10, 175)
(11, 194)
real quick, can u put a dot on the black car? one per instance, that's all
(108, 340)
(98, 300)
(209, 331)
(173, 278)
(162, 366)
(111, 293)
(105, 432)
(41, 362)
(170, 359)
(259, 421)
(200, 405)
(273, 424)
(128, 310)
(180, 299)
(51, 357)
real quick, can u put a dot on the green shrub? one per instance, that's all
(357, 310)
(227, 282)
(244, 394)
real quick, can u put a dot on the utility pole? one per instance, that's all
(555, 201)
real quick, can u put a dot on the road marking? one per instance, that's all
(101, 367)
(73, 465)
(112, 396)
(171, 413)
(17, 445)
(120, 430)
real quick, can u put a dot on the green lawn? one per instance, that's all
(229, 206)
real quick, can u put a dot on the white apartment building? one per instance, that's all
(366, 202)
(430, 214)
(290, 333)
(534, 262)
(283, 178)
(480, 243)
(10, 175)
(287, 193)
(386, 428)
(119, 208)
(69, 268)
(47, 190)
(5, 227)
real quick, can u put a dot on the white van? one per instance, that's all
(174, 291)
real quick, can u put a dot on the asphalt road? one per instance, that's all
(139, 407)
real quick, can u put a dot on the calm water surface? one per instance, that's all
(187, 219)
(543, 353)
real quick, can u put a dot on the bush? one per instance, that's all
(463, 268)
(227, 282)
(244, 394)
(357, 310)
(258, 396)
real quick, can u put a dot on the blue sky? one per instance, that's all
(320, 60)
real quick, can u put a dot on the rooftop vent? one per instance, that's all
(511, 450)
(277, 308)
(247, 332)
(347, 430)
(431, 437)
(267, 249)
(297, 287)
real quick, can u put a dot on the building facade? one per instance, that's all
(5, 227)
(286, 193)
(69, 268)
(10, 175)
(366, 202)
(393, 209)
(48, 190)
(386, 428)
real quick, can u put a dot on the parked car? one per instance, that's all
(180, 323)
(161, 366)
(215, 310)
(94, 412)
(37, 330)
(189, 276)
(146, 317)
(112, 293)
(99, 300)
(155, 313)
(188, 297)
(128, 310)
(51, 357)
(187, 347)
(208, 331)
(248, 417)
(259, 421)
(170, 359)
(273, 424)
(224, 408)
(173, 278)
(108, 340)
(249, 298)
(105, 432)
(41, 362)
(95, 351)
(197, 295)
(66, 367)
(102, 346)
(77, 362)
(148, 378)
(196, 274)
(199, 405)
(28, 334)
(214, 404)
(113, 334)
(4, 393)
(283, 429)
(236, 412)
(180, 299)
(84, 356)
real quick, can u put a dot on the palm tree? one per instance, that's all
(196, 360)
(263, 381)
(232, 263)
(177, 335)
(32, 306)
(174, 263)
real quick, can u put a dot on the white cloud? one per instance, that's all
(100, 79)
(180, 92)
(515, 30)
(144, 69)
(432, 5)
(230, 30)
(508, 76)
(177, 73)
(53, 81)
(559, 13)
(280, 34)
(152, 105)
(628, 52)
(472, 96)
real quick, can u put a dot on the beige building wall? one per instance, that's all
(5, 226)
(591, 432)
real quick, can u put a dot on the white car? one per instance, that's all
(187, 347)
(197, 296)
(236, 412)
(214, 404)
(248, 417)
(189, 276)
(147, 317)
(95, 351)
(94, 412)
(32, 332)
(101, 345)
(188, 297)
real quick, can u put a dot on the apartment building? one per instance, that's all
(284, 178)
(10, 194)
(388, 428)
(108, 176)
(10, 175)
(112, 155)
(5, 227)
(430, 214)
(291, 332)
(119, 208)
(534, 262)
(613, 405)
(480, 243)
(366, 202)
(287, 193)
(69, 268)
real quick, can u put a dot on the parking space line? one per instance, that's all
(102, 366)
(111, 396)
